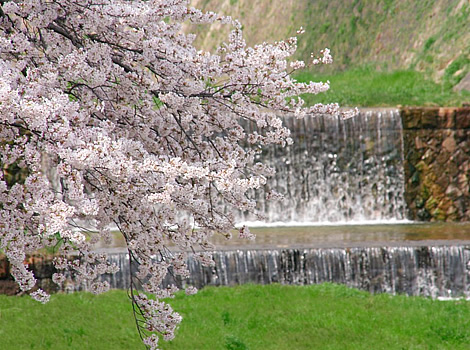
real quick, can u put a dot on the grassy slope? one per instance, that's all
(245, 317)
(398, 34)
(382, 36)
(366, 87)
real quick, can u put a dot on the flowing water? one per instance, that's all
(337, 176)
(435, 271)
(337, 170)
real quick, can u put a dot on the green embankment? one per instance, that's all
(245, 317)
(400, 42)
(367, 87)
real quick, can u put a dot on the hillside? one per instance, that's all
(430, 36)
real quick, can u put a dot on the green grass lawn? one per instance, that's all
(367, 87)
(246, 317)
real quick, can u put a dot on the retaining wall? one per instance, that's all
(437, 163)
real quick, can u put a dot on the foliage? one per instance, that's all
(120, 121)
(244, 317)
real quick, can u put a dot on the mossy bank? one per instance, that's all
(428, 37)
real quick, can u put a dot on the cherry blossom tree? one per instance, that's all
(143, 131)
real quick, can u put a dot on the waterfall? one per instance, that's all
(337, 170)
(435, 271)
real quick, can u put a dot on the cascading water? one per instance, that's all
(337, 170)
(439, 271)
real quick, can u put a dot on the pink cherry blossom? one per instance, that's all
(118, 120)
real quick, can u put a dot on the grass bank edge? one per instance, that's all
(325, 316)
(369, 87)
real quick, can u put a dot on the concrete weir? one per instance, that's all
(434, 271)
(384, 166)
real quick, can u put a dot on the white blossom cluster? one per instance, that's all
(143, 131)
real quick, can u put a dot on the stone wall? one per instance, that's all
(437, 163)
(42, 268)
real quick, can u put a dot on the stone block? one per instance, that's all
(438, 215)
(462, 135)
(431, 204)
(445, 204)
(428, 155)
(412, 155)
(462, 118)
(443, 181)
(442, 158)
(447, 118)
(4, 268)
(451, 210)
(9, 287)
(430, 118)
(465, 147)
(463, 184)
(47, 285)
(465, 167)
(419, 202)
(423, 214)
(453, 192)
(421, 166)
(460, 159)
(411, 118)
(415, 180)
(451, 170)
(463, 178)
(419, 144)
(42, 267)
(449, 143)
